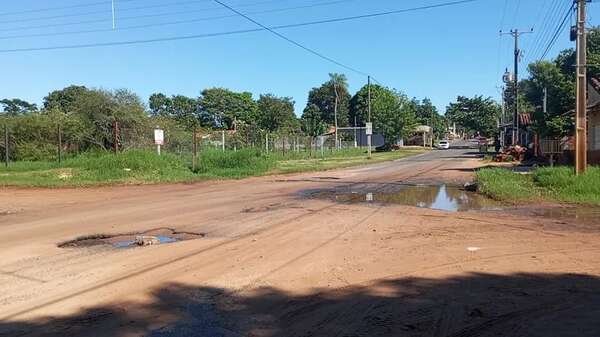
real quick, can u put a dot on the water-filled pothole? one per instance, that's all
(439, 197)
(151, 237)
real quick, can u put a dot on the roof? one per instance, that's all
(525, 118)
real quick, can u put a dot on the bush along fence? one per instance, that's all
(38, 138)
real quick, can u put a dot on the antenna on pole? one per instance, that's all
(113, 14)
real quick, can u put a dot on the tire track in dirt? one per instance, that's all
(161, 264)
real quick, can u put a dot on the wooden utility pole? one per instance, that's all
(369, 112)
(335, 108)
(515, 133)
(581, 102)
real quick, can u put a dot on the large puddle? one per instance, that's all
(439, 197)
(156, 236)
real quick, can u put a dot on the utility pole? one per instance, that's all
(369, 112)
(581, 101)
(335, 107)
(516, 34)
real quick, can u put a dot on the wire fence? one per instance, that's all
(58, 141)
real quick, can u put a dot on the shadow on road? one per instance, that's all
(470, 305)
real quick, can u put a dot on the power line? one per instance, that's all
(235, 32)
(552, 19)
(127, 9)
(122, 28)
(294, 42)
(544, 26)
(47, 9)
(557, 33)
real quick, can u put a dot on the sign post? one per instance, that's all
(369, 132)
(159, 139)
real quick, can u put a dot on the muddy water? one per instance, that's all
(126, 240)
(439, 197)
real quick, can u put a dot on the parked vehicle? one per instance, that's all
(443, 145)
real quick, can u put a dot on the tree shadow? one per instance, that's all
(474, 304)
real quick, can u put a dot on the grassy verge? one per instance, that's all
(549, 184)
(145, 167)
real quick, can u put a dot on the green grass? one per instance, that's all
(548, 184)
(145, 167)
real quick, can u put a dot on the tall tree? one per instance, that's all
(475, 114)
(99, 109)
(392, 113)
(160, 105)
(427, 114)
(219, 107)
(324, 98)
(312, 124)
(64, 99)
(561, 97)
(275, 113)
(16, 106)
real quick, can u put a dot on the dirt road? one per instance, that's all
(294, 256)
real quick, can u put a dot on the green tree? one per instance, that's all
(181, 108)
(324, 98)
(392, 113)
(561, 97)
(64, 99)
(219, 108)
(311, 121)
(99, 109)
(16, 106)
(275, 113)
(160, 105)
(427, 114)
(475, 114)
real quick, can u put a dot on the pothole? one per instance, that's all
(157, 236)
(439, 197)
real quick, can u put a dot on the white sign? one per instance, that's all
(369, 129)
(159, 137)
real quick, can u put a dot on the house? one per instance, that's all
(594, 120)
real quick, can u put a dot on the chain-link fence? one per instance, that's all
(39, 139)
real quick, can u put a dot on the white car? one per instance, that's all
(443, 144)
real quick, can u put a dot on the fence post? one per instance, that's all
(283, 143)
(116, 135)
(194, 149)
(223, 140)
(59, 143)
(6, 156)
(267, 142)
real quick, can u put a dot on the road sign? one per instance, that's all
(159, 137)
(369, 129)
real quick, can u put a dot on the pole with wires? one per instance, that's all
(335, 108)
(515, 33)
(369, 113)
(581, 101)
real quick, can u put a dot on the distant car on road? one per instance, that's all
(443, 144)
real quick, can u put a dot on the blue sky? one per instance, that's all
(436, 53)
